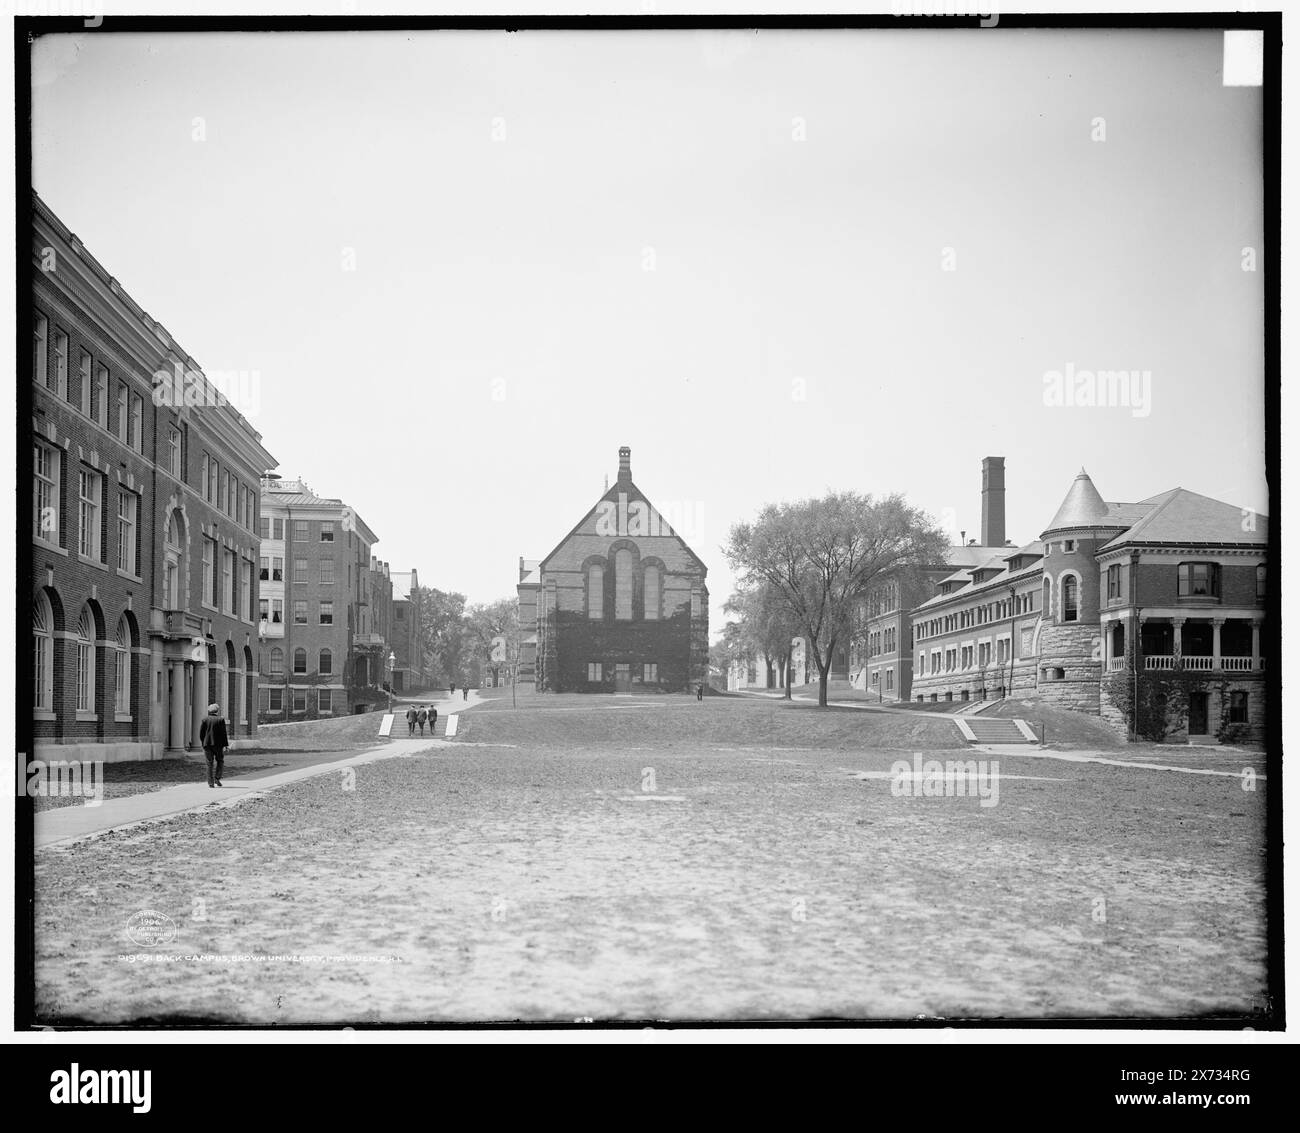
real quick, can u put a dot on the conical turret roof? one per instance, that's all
(1082, 507)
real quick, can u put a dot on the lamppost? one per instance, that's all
(392, 659)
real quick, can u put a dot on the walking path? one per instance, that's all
(62, 825)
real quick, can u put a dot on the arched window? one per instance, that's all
(1047, 597)
(595, 591)
(624, 584)
(277, 662)
(43, 642)
(1069, 599)
(122, 670)
(174, 564)
(652, 593)
(300, 660)
(85, 661)
(326, 666)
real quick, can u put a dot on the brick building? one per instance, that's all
(881, 653)
(410, 670)
(144, 503)
(325, 609)
(1171, 585)
(620, 604)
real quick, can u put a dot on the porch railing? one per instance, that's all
(1238, 664)
(1115, 665)
(1159, 661)
(1199, 664)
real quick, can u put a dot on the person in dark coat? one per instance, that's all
(422, 718)
(410, 720)
(699, 693)
(213, 737)
(453, 688)
(464, 693)
(433, 718)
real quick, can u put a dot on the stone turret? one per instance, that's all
(1070, 649)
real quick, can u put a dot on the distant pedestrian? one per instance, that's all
(423, 718)
(212, 735)
(699, 693)
(433, 718)
(464, 693)
(453, 688)
(411, 714)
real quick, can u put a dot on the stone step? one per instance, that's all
(995, 730)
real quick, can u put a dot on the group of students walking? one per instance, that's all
(421, 714)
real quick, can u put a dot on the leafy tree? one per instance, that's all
(821, 556)
(487, 620)
(766, 626)
(443, 621)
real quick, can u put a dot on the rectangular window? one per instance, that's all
(300, 612)
(300, 700)
(1198, 580)
(41, 349)
(300, 570)
(246, 587)
(277, 569)
(228, 582)
(279, 528)
(889, 679)
(300, 531)
(327, 613)
(277, 611)
(45, 493)
(85, 677)
(593, 670)
(327, 572)
(101, 396)
(83, 381)
(650, 671)
(263, 568)
(275, 699)
(264, 526)
(123, 412)
(127, 507)
(326, 531)
(1113, 582)
(223, 490)
(237, 502)
(61, 363)
(1237, 705)
(174, 451)
(135, 437)
(1261, 588)
(88, 489)
(323, 700)
(264, 609)
(209, 570)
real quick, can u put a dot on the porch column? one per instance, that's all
(1217, 663)
(1254, 646)
(176, 729)
(1178, 642)
(198, 702)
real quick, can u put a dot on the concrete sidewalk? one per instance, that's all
(68, 824)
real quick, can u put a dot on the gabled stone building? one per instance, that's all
(619, 605)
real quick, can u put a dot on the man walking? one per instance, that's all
(699, 693)
(423, 716)
(433, 718)
(464, 692)
(212, 735)
(410, 720)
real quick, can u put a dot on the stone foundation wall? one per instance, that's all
(1076, 649)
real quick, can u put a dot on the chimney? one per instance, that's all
(993, 504)
(625, 465)
(521, 568)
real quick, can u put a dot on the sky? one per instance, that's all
(466, 267)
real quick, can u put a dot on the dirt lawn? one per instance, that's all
(621, 858)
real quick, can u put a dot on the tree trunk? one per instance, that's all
(824, 673)
(787, 674)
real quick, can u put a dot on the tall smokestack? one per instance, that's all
(993, 504)
(625, 465)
